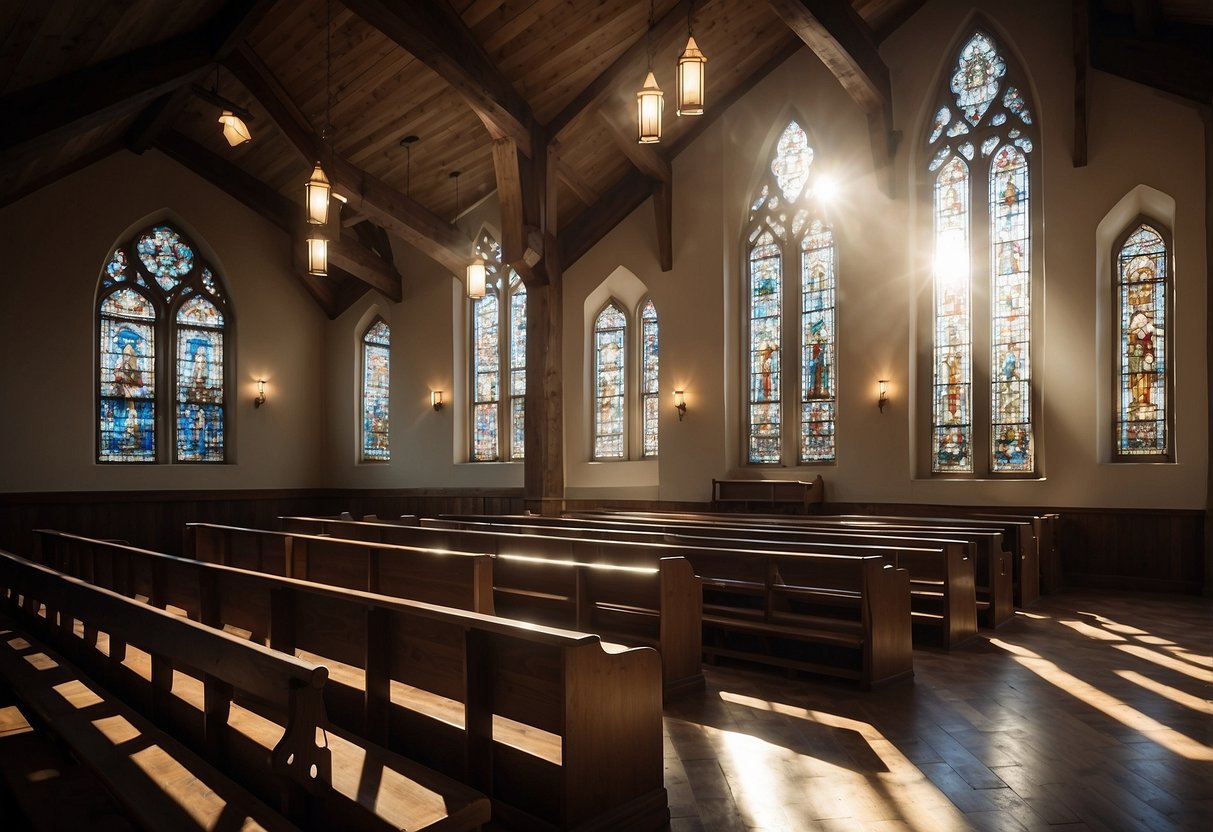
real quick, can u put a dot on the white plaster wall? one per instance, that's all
(55, 244)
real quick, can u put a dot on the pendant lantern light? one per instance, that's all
(476, 278)
(318, 190)
(317, 255)
(649, 101)
(234, 129)
(691, 65)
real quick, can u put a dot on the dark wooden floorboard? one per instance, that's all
(1088, 712)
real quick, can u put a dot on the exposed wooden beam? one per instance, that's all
(663, 213)
(508, 168)
(844, 43)
(431, 31)
(644, 157)
(366, 194)
(897, 19)
(1081, 18)
(619, 73)
(581, 189)
(1178, 59)
(231, 24)
(1206, 113)
(346, 253)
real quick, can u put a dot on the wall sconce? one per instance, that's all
(436, 400)
(260, 400)
(680, 403)
(883, 398)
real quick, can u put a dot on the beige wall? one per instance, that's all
(56, 242)
(1138, 137)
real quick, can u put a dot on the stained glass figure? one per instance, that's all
(766, 287)
(959, 128)
(610, 332)
(486, 377)
(941, 121)
(977, 76)
(793, 157)
(818, 347)
(649, 390)
(952, 433)
(1011, 320)
(199, 374)
(127, 378)
(165, 255)
(376, 374)
(1141, 291)
(518, 372)
(116, 268)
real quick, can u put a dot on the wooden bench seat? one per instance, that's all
(770, 494)
(601, 708)
(199, 684)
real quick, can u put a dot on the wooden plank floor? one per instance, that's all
(1088, 712)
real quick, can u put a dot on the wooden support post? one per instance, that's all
(1207, 113)
(663, 212)
(544, 425)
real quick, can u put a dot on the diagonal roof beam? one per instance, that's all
(844, 43)
(433, 33)
(231, 24)
(366, 194)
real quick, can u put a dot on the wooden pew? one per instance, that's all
(943, 601)
(559, 733)
(654, 605)
(463, 580)
(746, 494)
(590, 550)
(253, 711)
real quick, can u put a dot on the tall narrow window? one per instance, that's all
(788, 226)
(649, 388)
(979, 145)
(610, 333)
(376, 366)
(156, 290)
(1142, 285)
(498, 358)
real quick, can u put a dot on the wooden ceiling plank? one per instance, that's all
(367, 194)
(431, 31)
(347, 252)
(577, 186)
(645, 157)
(842, 41)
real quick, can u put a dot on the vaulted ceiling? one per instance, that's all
(531, 99)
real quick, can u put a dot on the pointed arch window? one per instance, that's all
(1142, 283)
(610, 339)
(376, 367)
(155, 289)
(984, 266)
(790, 233)
(498, 357)
(649, 388)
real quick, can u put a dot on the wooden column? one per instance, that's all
(544, 465)
(1207, 113)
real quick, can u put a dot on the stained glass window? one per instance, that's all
(498, 354)
(1141, 284)
(610, 332)
(649, 390)
(810, 244)
(966, 196)
(154, 289)
(376, 371)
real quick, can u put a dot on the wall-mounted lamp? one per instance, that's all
(260, 400)
(680, 403)
(436, 399)
(883, 398)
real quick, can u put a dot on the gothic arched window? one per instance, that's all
(610, 339)
(649, 387)
(1142, 284)
(376, 365)
(498, 399)
(979, 144)
(155, 289)
(788, 233)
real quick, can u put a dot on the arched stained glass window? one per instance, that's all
(979, 146)
(610, 333)
(498, 357)
(787, 226)
(376, 372)
(155, 289)
(1143, 385)
(649, 388)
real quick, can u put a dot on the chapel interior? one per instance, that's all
(606, 415)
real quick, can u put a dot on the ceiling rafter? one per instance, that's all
(434, 34)
(843, 42)
(366, 194)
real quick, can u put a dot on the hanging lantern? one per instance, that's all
(649, 105)
(317, 256)
(476, 279)
(318, 190)
(234, 129)
(691, 65)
